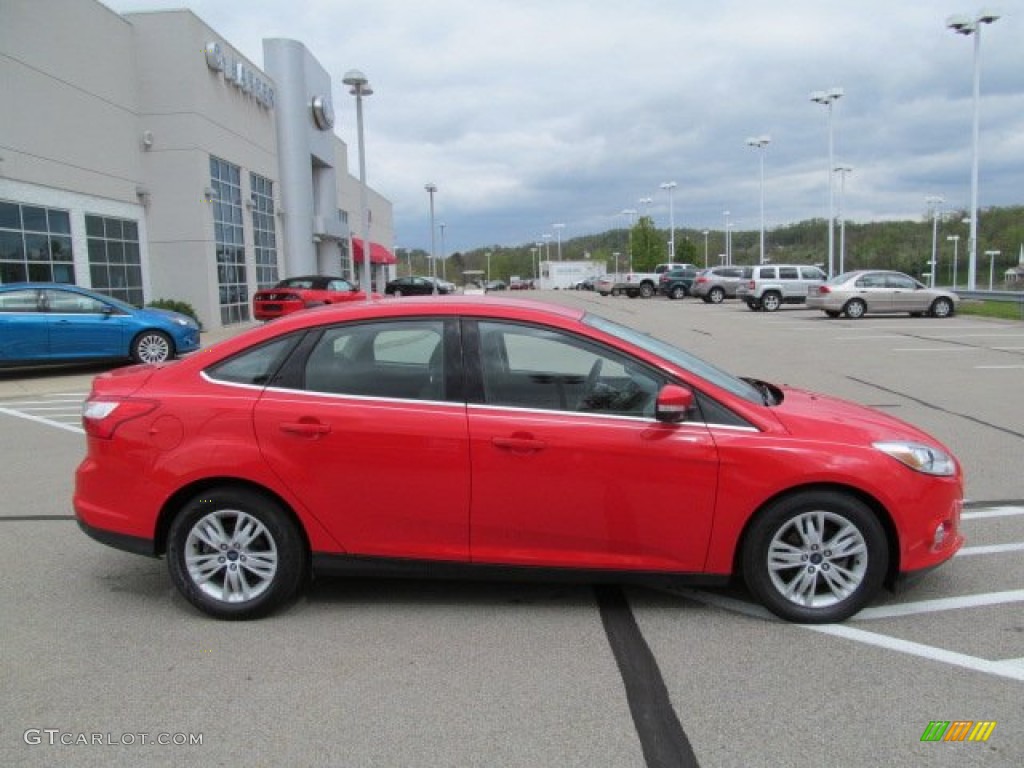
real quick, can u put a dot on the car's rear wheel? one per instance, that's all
(771, 301)
(152, 347)
(855, 309)
(941, 307)
(678, 292)
(716, 295)
(235, 553)
(646, 290)
(815, 557)
(753, 306)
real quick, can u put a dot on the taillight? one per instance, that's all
(824, 289)
(751, 285)
(101, 417)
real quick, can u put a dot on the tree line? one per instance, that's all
(902, 245)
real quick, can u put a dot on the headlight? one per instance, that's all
(919, 457)
(184, 321)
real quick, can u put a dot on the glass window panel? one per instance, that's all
(40, 271)
(63, 273)
(34, 218)
(12, 246)
(94, 226)
(10, 215)
(131, 230)
(60, 221)
(131, 253)
(99, 276)
(60, 247)
(97, 250)
(115, 252)
(37, 247)
(13, 272)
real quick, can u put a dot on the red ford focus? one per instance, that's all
(297, 293)
(274, 454)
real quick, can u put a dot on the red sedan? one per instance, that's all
(297, 293)
(563, 442)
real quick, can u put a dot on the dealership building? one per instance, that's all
(144, 157)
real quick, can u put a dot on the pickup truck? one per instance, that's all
(635, 284)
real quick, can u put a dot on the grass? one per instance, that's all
(1004, 310)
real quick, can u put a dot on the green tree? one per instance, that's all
(648, 248)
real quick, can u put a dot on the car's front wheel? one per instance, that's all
(815, 557)
(152, 347)
(235, 553)
(646, 290)
(716, 295)
(678, 292)
(941, 307)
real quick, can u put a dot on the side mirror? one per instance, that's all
(673, 404)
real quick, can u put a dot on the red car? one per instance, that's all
(297, 293)
(563, 442)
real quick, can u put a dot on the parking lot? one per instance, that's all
(102, 661)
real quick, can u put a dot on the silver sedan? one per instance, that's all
(863, 292)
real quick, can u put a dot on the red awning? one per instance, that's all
(378, 253)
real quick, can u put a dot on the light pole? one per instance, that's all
(646, 203)
(533, 259)
(630, 212)
(728, 240)
(842, 170)
(935, 204)
(547, 247)
(444, 268)
(488, 278)
(670, 186)
(431, 188)
(991, 267)
(360, 87)
(705, 233)
(965, 25)
(956, 247)
(828, 98)
(615, 255)
(760, 142)
(558, 231)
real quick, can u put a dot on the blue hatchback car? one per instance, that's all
(57, 322)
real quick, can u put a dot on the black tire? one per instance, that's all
(855, 309)
(941, 307)
(753, 305)
(677, 292)
(716, 295)
(152, 346)
(616, 292)
(832, 313)
(771, 301)
(235, 553)
(705, 299)
(792, 547)
(646, 290)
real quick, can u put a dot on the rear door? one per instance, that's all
(23, 326)
(372, 437)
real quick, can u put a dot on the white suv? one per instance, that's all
(769, 286)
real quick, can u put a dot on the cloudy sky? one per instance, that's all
(527, 113)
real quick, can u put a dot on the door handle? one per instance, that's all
(519, 444)
(305, 428)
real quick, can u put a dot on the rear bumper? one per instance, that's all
(124, 542)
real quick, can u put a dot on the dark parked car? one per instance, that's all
(297, 293)
(676, 283)
(57, 322)
(496, 285)
(414, 285)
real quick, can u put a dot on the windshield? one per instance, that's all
(677, 356)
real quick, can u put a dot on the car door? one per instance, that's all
(907, 295)
(370, 435)
(873, 290)
(24, 334)
(570, 468)
(81, 326)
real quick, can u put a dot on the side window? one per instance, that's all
(766, 273)
(254, 366)
(788, 273)
(66, 302)
(530, 367)
(811, 273)
(20, 301)
(901, 282)
(402, 360)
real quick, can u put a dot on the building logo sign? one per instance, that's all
(239, 74)
(958, 730)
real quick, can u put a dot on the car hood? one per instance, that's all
(167, 314)
(810, 414)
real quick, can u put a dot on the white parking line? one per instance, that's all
(41, 420)
(940, 604)
(989, 512)
(997, 367)
(991, 549)
(938, 349)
